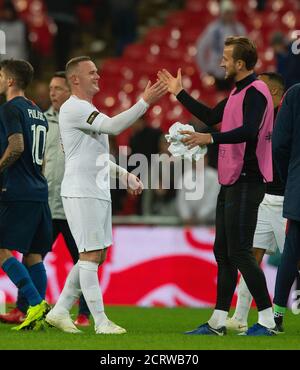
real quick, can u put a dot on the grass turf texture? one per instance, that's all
(151, 329)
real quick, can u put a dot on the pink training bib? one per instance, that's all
(231, 156)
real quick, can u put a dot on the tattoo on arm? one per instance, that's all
(13, 151)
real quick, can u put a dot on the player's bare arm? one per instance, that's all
(13, 151)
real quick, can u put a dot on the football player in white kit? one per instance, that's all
(270, 229)
(85, 188)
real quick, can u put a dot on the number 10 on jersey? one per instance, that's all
(39, 133)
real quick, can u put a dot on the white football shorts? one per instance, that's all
(270, 227)
(90, 222)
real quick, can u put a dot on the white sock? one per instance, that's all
(89, 283)
(69, 294)
(218, 319)
(243, 303)
(266, 318)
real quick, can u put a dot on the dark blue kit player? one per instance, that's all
(25, 218)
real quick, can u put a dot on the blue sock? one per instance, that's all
(38, 276)
(21, 303)
(19, 275)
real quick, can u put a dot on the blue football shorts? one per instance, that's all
(26, 227)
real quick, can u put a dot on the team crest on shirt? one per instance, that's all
(92, 117)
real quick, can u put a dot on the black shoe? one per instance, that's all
(279, 328)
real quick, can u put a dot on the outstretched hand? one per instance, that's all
(154, 92)
(174, 84)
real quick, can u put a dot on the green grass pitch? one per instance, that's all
(151, 329)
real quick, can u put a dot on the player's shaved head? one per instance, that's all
(73, 63)
(273, 78)
(82, 77)
(276, 85)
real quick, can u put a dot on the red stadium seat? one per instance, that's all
(150, 70)
(123, 138)
(191, 34)
(139, 52)
(163, 35)
(195, 5)
(156, 114)
(107, 100)
(283, 6)
(119, 67)
(183, 19)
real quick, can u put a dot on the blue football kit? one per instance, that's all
(25, 218)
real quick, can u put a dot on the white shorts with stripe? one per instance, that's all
(270, 227)
(90, 222)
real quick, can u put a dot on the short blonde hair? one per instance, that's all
(73, 63)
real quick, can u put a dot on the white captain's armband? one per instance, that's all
(92, 117)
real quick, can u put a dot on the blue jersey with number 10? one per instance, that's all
(23, 180)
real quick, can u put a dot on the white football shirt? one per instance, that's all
(86, 151)
(84, 137)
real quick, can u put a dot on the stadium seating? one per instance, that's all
(173, 45)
